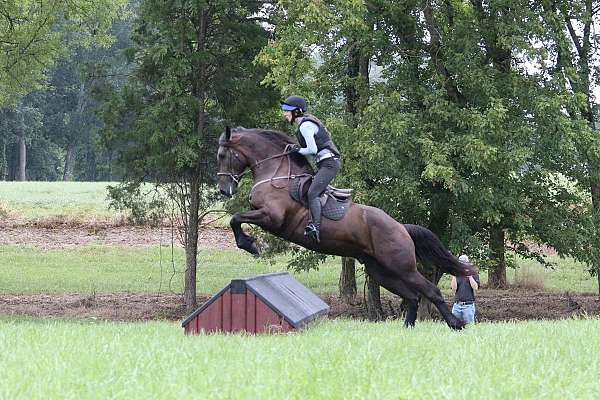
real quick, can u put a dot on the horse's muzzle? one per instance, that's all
(225, 193)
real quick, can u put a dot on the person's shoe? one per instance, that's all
(312, 232)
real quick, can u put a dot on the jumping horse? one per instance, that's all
(388, 249)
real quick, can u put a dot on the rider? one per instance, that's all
(315, 142)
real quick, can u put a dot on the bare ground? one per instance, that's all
(492, 305)
(48, 236)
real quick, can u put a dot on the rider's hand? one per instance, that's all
(294, 148)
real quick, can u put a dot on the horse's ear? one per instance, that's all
(227, 133)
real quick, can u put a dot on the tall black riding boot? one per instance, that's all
(313, 229)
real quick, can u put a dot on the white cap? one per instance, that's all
(463, 259)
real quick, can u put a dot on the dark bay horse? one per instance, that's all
(388, 249)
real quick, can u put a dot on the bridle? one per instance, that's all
(237, 177)
(234, 177)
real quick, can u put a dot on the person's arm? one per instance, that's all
(473, 283)
(308, 130)
(453, 284)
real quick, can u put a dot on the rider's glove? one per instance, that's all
(294, 148)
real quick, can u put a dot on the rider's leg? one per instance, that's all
(327, 169)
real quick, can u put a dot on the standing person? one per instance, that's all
(464, 288)
(316, 144)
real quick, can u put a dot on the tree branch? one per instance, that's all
(435, 51)
(573, 34)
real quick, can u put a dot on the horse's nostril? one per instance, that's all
(224, 192)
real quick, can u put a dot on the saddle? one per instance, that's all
(335, 202)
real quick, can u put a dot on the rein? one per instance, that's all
(236, 177)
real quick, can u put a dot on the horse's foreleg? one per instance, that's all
(244, 241)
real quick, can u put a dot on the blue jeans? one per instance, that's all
(466, 312)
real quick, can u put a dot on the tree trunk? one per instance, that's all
(497, 274)
(22, 159)
(374, 308)
(68, 170)
(347, 282)
(191, 246)
(356, 94)
(4, 172)
(74, 127)
(595, 189)
(426, 309)
(199, 92)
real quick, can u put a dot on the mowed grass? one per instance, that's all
(32, 200)
(109, 269)
(566, 275)
(84, 202)
(338, 359)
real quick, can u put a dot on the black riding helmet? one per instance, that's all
(296, 105)
(292, 103)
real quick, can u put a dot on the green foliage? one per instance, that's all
(177, 82)
(452, 131)
(32, 34)
(145, 207)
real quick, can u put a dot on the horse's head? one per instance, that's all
(254, 149)
(231, 164)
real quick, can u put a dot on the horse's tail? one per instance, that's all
(429, 248)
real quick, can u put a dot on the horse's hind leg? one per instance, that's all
(395, 285)
(418, 282)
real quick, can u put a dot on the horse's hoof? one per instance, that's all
(254, 250)
(458, 325)
(249, 245)
(409, 325)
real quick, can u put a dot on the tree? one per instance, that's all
(30, 42)
(453, 133)
(572, 44)
(327, 58)
(32, 38)
(192, 74)
(19, 124)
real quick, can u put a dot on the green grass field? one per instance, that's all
(341, 359)
(108, 269)
(30, 200)
(335, 359)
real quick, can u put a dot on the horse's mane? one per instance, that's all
(277, 139)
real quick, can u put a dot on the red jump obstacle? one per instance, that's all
(265, 303)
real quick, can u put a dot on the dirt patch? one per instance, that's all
(496, 305)
(67, 236)
(492, 305)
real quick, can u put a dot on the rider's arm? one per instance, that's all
(308, 130)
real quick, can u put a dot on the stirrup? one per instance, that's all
(312, 232)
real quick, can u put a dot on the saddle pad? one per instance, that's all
(333, 209)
